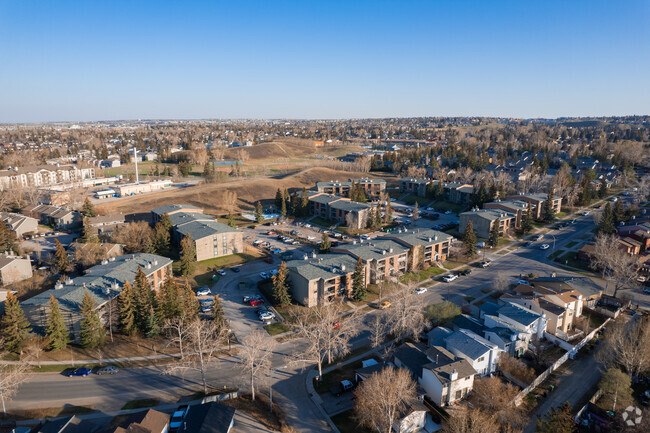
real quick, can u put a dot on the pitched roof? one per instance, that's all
(423, 237)
(375, 249)
(349, 206)
(6, 260)
(168, 208)
(208, 418)
(585, 286)
(148, 421)
(443, 371)
(467, 322)
(413, 356)
(490, 214)
(472, 345)
(202, 229)
(325, 266)
(489, 308)
(436, 336)
(518, 314)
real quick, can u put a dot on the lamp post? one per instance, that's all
(271, 387)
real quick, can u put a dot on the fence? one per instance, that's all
(594, 398)
(570, 354)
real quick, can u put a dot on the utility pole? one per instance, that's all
(135, 157)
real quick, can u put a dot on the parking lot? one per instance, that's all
(45, 244)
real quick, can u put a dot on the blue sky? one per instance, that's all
(101, 60)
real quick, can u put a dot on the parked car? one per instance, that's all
(448, 212)
(527, 244)
(221, 272)
(341, 387)
(246, 299)
(276, 251)
(235, 269)
(208, 301)
(256, 301)
(336, 325)
(266, 316)
(264, 276)
(82, 371)
(384, 305)
(544, 247)
(206, 309)
(178, 417)
(466, 272)
(539, 237)
(449, 278)
(203, 291)
(421, 290)
(484, 264)
(585, 213)
(271, 233)
(111, 369)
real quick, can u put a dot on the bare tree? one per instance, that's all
(34, 349)
(382, 397)
(203, 339)
(500, 282)
(176, 329)
(255, 356)
(611, 259)
(11, 376)
(492, 396)
(378, 328)
(406, 314)
(628, 345)
(465, 420)
(327, 334)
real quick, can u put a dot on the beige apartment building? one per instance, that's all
(537, 202)
(319, 280)
(43, 175)
(384, 258)
(14, 269)
(483, 220)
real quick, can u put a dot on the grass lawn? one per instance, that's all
(277, 328)
(569, 259)
(572, 244)
(555, 254)
(441, 205)
(321, 222)
(139, 404)
(411, 199)
(503, 252)
(203, 272)
(423, 275)
(460, 261)
(239, 221)
(346, 423)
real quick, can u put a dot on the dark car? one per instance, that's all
(527, 244)
(83, 371)
(235, 269)
(466, 272)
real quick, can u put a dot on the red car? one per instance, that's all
(336, 325)
(257, 301)
(271, 233)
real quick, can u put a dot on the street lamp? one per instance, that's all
(271, 387)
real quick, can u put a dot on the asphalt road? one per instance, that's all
(49, 390)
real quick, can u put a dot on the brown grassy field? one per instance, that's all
(210, 197)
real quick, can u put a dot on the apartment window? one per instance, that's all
(459, 394)
(481, 359)
(225, 244)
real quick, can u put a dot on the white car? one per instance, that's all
(449, 278)
(221, 272)
(264, 276)
(206, 309)
(544, 247)
(448, 212)
(257, 241)
(585, 213)
(203, 291)
(421, 290)
(267, 315)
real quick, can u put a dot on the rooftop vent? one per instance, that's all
(383, 252)
(58, 286)
(342, 267)
(305, 257)
(111, 259)
(69, 281)
(313, 254)
(390, 250)
(104, 262)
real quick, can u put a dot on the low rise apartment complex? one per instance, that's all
(484, 219)
(14, 269)
(43, 175)
(19, 224)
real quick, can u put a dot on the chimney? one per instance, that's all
(453, 375)
(383, 252)
(305, 257)
(390, 250)
(313, 254)
(58, 286)
(342, 267)
(430, 239)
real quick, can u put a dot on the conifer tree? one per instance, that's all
(62, 261)
(8, 239)
(56, 332)
(231, 220)
(440, 190)
(283, 209)
(259, 212)
(557, 420)
(469, 240)
(416, 212)
(217, 312)
(527, 220)
(14, 327)
(88, 235)
(278, 199)
(92, 332)
(304, 203)
(547, 210)
(281, 286)
(166, 222)
(603, 191)
(606, 224)
(325, 244)
(88, 210)
(128, 310)
(144, 299)
(359, 291)
(618, 212)
(388, 212)
(495, 233)
(190, 303)
(152, 327)
(188, 256)
(170, 303)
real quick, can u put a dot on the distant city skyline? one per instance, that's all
(91, 61)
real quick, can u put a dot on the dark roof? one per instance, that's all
(585, 286)
(489, 308)
(202, 229)
(467, 322)
(472, 345)
(518, 314)
(437, 336)
(443, 372)
(161, 210)
(68, 425)
(413, 356)
(208, 418)
(150, 420)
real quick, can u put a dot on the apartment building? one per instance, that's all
(339, 210)
(414, 186)
(104, 282)
(537, 200)
(426, 246)
(484, 219)
(319, 280)
(372, 187)
(19, 224)
(59, 217)
(14, 269)
(44, 175)
(384, 259)
(516, 207)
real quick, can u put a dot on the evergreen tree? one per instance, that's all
(388, 212)
(161, 239)
(278, 199)
(88, 210)
(325, 244)
(527, 220)
(304, 203)
(56, 332)
(231, 220)
(14, 327)
(493, 241)
(492, 193)
(170, 303)
(218, 314)
(618, 213)
(166, 222)
(92, 332)
(209, 172)
(606, 224)
(8, 239)
(259, 212)
(557, 420)
(88, 235)
(128, 310)
(416, 212)
(603, 190)
(440, 190)
(359, 291)
(144, 299)
(280, 286)
(547, 208)
(188, 256)
(152, 328)
(190, 303)
(62, 262)
(469, 240)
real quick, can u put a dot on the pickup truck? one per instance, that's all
(341, 387)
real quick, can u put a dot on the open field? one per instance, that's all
(210, 197)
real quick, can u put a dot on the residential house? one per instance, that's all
(59, 217)
(104, 282)
(105, 224)
(319, 280)
(484, 219)
(149, 421)
(210, 417)
(71, 424)
(590, 291)
(14, 269)
(478, 351)
(418, 187)
(513, 316)
(19, 224)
